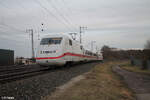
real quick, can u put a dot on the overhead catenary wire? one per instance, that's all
(8, 7)
(67, 7)
(53, 15)
(13, 12)
(64, 17)
(66, 22)
(11, 27)
(68, 10)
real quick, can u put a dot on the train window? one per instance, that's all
(81, 47)
(70, 42)
(49, 41)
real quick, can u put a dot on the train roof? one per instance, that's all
(56, 35)
(60, 35)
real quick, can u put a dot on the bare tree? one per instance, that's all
(105, 48)
(147, 45)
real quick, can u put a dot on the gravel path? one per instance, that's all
(36, 87)
(139, 83)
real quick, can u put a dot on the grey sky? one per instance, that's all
(117, 23)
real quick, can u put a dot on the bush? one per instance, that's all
(144, 64)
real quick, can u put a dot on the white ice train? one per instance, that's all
(60, 50)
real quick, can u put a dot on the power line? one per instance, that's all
(68, 9)
(61, 14)
(11, 27)
(49, 12)
(6, 6)
(14, 12)
(4, 33)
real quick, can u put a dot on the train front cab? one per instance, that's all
(50, 51)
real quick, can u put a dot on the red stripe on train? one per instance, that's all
(65, 54)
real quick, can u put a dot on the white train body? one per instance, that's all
(60, 50)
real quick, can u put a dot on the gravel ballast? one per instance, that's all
(37, 87)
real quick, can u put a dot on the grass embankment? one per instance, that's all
(127, 66)
(99, 84)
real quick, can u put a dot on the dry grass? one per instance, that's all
(137, 69)
(100, 84)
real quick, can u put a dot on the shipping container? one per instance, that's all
(6, 57)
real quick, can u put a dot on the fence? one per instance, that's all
(139, 63)
(148, 64)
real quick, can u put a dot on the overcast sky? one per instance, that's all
(117, 23)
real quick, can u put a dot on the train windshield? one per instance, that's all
(49, 41)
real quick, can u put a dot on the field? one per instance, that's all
(101, 83)
(127, 66)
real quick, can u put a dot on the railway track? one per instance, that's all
(15, 73)
(10, 66)
(18, 68)
(22, 71)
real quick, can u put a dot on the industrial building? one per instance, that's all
(6, 57)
